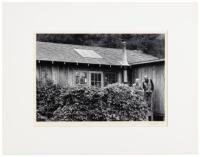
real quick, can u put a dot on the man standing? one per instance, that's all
(148, 87)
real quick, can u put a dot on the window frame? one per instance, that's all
(84, 71)
(96, 72)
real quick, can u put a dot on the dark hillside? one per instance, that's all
(149, 43)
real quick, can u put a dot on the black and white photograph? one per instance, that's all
(100, 77)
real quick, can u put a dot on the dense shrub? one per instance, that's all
(115, 102)
(49, 98)
(123, 103)
(81, 103)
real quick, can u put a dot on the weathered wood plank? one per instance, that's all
(38, 72)
(43, 73)
(48, 72)
(62, 75)
(55, 74)
(156, 73)
(70, 76)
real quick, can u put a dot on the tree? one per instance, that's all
(149, 43)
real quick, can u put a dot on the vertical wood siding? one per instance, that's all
(54, 72)
(38, 72)
(156, 73)
(70, 76)
(64, 74)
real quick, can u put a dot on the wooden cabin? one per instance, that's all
(74, 65)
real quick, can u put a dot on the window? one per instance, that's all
(96, 79)
(87, 53)
(81, 78)
(109, 78)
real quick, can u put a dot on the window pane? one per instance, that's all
(81, 78)
(99, 77)
(96, 79)
(92, 77)
(110, 77)
(98, 84)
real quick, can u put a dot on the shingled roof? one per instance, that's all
(47, 51)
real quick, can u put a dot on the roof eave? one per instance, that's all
(119, 65)
(148, 62)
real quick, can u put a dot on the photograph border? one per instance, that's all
(163, 123)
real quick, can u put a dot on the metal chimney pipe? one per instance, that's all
(125, 63)
(124, 60)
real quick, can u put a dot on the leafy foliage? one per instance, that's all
(123, 103)
(81, 103)
(116, 102)
(49, 98)
(149, 43)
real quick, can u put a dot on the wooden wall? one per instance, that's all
(156, 72)
(58, 73)
(64, 74)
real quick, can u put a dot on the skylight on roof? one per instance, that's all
(87, 53)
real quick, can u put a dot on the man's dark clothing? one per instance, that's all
(148, 87)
